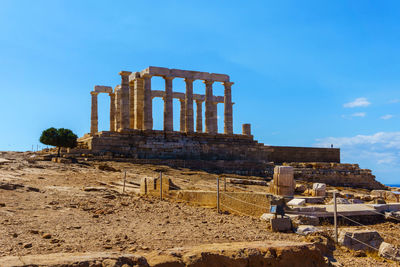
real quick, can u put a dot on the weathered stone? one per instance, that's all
(281, 224)
(359, 239)
(307, 229)
(296, 202)
(319, 189)
(389, 251)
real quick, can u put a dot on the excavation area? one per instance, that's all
(69, 210)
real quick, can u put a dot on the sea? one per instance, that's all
(393, 185)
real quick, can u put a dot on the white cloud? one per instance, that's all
(388, 140)
(387, 117)
(358, 102)
(359, 114)
(379, 152)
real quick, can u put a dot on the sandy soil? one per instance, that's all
(47, 207)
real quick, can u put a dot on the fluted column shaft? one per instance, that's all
(147, 104)
(182, 115)
(138, 102)
(199, 116)
(94, 116)
(189, 127)
(209, 107)
(125, 120)
(228, 112)
(168, 107)
(112, 112)
(117, 119)
(131, 104)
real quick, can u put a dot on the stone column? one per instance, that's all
(131, 104)
(125, 99)
(168, 107)
(182, 115)
(112, 112)
(139, 101)
(209, 106)
(199, 116)
(147, 104)
(117, 108)
(189, 127)
(94, 116)
(228, 113)
(214, 117)
(246, 129)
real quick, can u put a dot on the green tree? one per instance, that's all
(59, 138)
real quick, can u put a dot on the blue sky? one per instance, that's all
(306, 73)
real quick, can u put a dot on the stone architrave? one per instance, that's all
(168, 107)
(182, 115)
(209, 106)
(228, 112)
(199, 116)
(125, 120)
(147, 104)
(94, 115)
(112, 112)
(189, 127)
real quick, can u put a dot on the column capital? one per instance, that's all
(168, 77)
(111, 94)
(227, 83)
(199, 101)
(208, 82)
(94, 93)
(147, 76)
(125, 73)
(188, 80)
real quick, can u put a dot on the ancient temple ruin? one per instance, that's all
(131, 101)
(132, 137)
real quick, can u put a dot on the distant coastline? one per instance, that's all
(393, 185)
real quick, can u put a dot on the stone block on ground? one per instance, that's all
(360, 239)
(319, 190)
(389, 251)
(296, 202)
(281, 224)
(307, 229)
(340, 200)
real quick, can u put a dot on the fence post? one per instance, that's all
(335, 216)
(161, 186)
(218, 209)
(224, 184)
(123, 189)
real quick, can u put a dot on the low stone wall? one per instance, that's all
(221, 153)
(335, 174)
(280, 154)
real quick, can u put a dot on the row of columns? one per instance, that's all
(131, 106)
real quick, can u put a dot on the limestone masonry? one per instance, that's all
(131, 133)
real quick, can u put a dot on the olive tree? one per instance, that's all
(59, 138)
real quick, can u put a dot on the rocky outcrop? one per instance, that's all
(243, 254)
(335, 174)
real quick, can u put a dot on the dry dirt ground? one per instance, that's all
(48, 207)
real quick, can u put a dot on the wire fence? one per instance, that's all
(229, 189)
